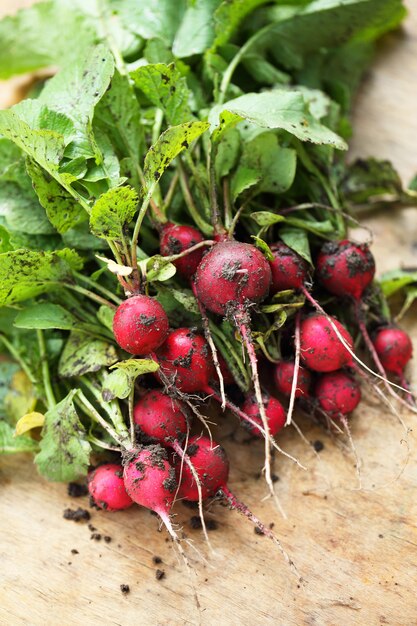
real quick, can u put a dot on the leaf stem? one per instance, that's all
(205, 228)
(89, 294)
(46, 377)
(139, 220)
(95, 415)
(15, 354)
(99, 287)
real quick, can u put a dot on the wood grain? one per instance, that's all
(356, 549)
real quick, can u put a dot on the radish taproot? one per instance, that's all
(140, 325)
(107, 489)
(231, 278)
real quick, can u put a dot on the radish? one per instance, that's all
(337, 393)
(225, 371)
(394, 349)
(274, 411)
(345, 268)
(232, 277)
(321, 349)
(289, 270)
(212, 466)
(140, 325)
(284, 376)
(178, 238)
(107, 489)
(160, 417)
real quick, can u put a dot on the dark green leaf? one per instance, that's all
(64, 450)
(113, 211)
(27, 273)
(45, 315)
(274, 165)
(297, 240)
(83, 354)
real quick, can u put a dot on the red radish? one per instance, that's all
(394, 348)
(345, 268)
(212, 466)
(107, 489)
(289, 270)
(140, 325)
(274, 410)
(321, 348)
(160, 417)
(178, 238)
(226, 373)
(232, 277)
(337, 393)
(184, 357)
(283, 377)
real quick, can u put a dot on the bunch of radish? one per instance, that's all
(171, 458)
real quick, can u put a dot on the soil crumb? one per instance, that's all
(76, 515)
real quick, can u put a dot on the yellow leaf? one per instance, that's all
(29, 421)
(20, 398)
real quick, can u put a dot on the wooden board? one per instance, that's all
(355, 548)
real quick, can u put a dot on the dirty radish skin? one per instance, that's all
(159, 417)
(212, 466)
(284, 375)
(274, 411)
(337, 394)
(177, 238)
(321, 348)
(140, 325)
(288, 269)
(345, 268)
(107, 488)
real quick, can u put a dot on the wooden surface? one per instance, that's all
(356, 549)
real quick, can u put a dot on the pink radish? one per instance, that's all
(337, 393)
(321, 348)
(284, 375)
(107, 489)
(140, 325)
(178, 238)
(274, 411)
(212, 466)
(394, 349)
(289, 270)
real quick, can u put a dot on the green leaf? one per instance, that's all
(166, 88)
(45, 315)
(297, 240)
(226, 121)
(263, 247)
(62, 210)
(44, 146)
(371, 180)
(154, 18)
(105, 316)
(113, 212)
(7, 370)
(119, 383)
(20, 397)
(227, 152)
(275, 165)
(179, 304)
(119, 113)
(265, 218)
(27, 273)
(158, 268)
(82, 355)
(395, 280)
(229, 15)
(75, 91)
(9, 444)
(285, 109)
(169, 145)
(196, 32)
(64, 450)
(264, 72)
(243, 179)
(5, 245)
